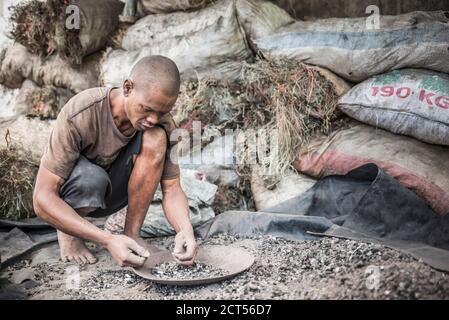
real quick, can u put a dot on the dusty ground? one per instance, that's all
(325, 269)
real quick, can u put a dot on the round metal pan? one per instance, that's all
(231, 260)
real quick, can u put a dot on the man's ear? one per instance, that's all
(128, 87)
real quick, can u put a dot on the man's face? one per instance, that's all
(145, 109)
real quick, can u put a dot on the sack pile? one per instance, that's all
(244, 63)
(353, 51)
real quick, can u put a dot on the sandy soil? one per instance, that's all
(324, 269)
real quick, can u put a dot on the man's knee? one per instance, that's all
(154, 145)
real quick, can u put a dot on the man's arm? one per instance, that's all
(176, 209)
(49, 206)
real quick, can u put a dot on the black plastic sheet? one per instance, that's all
(365, 204)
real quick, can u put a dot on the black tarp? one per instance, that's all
(365, 204)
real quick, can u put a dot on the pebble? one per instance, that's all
(173, 270)
(322, 269)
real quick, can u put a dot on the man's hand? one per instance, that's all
(176, 209)
(126, 251)
(185, 248)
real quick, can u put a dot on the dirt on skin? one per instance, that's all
(325, 269)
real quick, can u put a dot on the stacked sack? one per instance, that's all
(392, 106)
(207, 39)
(46, 69)
(356, 51)
(211, 42)
(7, 95)
(400, 69)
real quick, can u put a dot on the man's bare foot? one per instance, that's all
(74, 250)
(152, 249)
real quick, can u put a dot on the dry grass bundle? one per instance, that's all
(46, 102)
(43, 102)
(282, 96)
(195, 103)
(234, 198)
(115, 40)
(33, 26)
(66, 41)
(16, 185)
(40, 27)
(301, 101)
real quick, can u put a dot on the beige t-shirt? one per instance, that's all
(85, 126)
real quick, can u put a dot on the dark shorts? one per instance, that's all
(90, 186)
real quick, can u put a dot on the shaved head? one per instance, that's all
(156, 72)
(150, 92)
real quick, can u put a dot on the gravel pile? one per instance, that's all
(95, 286)
(324, 269)
(173, 271)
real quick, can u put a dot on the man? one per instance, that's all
(109, 148)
